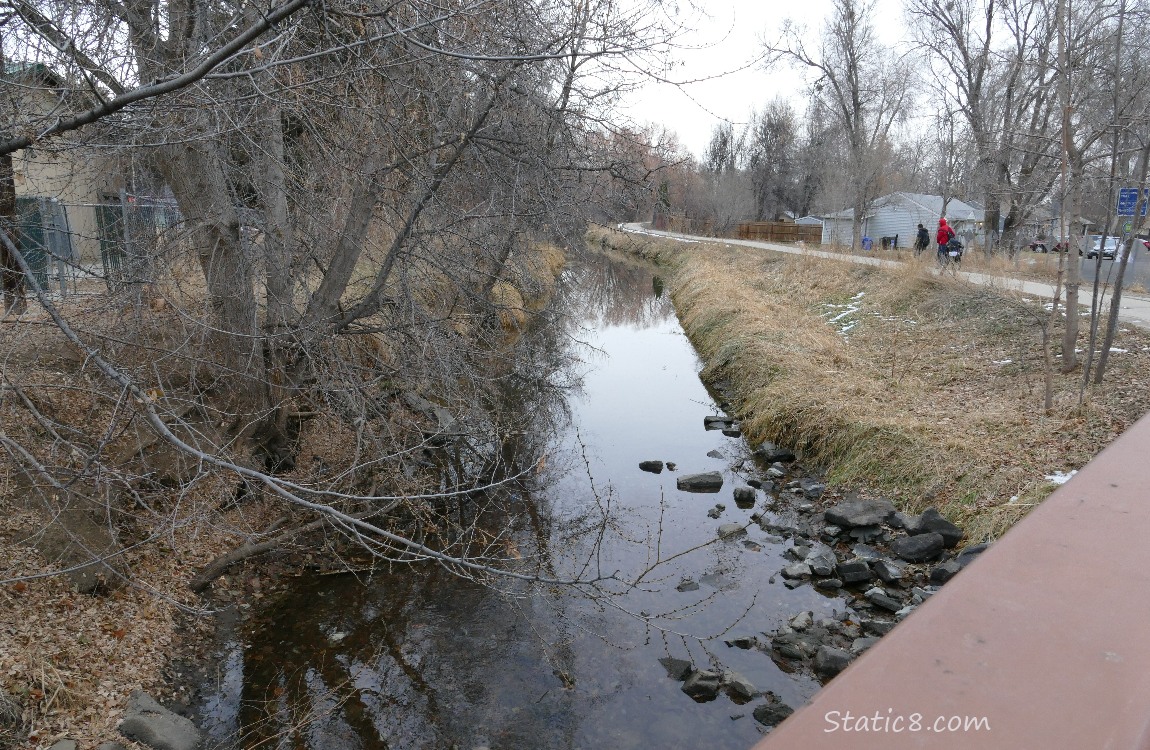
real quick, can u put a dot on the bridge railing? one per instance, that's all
(1039, 643)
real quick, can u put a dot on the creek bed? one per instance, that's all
(417, 658)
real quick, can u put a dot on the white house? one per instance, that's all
(899, 214)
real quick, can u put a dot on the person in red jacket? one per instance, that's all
(944, 236)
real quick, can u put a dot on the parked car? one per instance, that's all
(1109, 249)
(1040, 246)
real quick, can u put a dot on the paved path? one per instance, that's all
(1135, 309)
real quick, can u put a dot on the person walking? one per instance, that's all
(921, 240)
(943, 237)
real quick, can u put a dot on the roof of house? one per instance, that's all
(956, 210)
(30, 70)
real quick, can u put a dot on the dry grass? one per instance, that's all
(68, 660)
(932, 393)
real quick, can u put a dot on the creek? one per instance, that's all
(416, 657)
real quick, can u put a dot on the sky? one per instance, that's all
(730, 40)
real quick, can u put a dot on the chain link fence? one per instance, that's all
(116, 239)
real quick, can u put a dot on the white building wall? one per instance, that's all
(894, 219)
(837, 231)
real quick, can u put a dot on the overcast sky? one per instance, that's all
(732, 39)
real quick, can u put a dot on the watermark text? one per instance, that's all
(894, 723)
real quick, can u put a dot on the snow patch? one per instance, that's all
(1059, 477)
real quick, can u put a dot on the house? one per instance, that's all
(59, 184)
(899, 214)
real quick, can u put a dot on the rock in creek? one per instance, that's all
(799, 552)
(744, 496)
(859, 645)
(854, 571)
(731, 529)
(865, 512)
(744, 642)
(796, 571)
(772, 712)
(703, 685)
(830, 661)
(708, 481)
(945, 571)
(917, 548)
(880, 598)
(822, 560)
(812, 488)
(877, 627)
(155, 726)
(717, 423)
(932, 520)
(739, 687)
(655, 467)
(888, 571)
(803, 620)
(771, 453)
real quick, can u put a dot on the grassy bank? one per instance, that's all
(920, 387)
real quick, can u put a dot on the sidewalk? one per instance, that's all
(1135, 309)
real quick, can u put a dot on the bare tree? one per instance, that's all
(772, 150)
(1085, 74)
(993, 65)
(364, 192)
(865, 90)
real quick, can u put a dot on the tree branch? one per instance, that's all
(159, 88)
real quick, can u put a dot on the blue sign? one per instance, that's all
(1128, 199)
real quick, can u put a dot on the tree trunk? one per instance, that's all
(195, 172)
(1116, 296)
(272, 435)
(1070, 204)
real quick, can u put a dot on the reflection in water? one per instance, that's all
(416, 657)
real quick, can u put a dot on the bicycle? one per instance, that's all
(950, 255)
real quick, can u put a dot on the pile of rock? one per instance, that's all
(885, 563)
(704, 685)
(865, 540)
(888, 562)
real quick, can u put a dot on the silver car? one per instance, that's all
(1108, 249)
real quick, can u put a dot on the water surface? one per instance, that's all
(418, 658)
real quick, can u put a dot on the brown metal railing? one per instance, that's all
(1039, 643)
